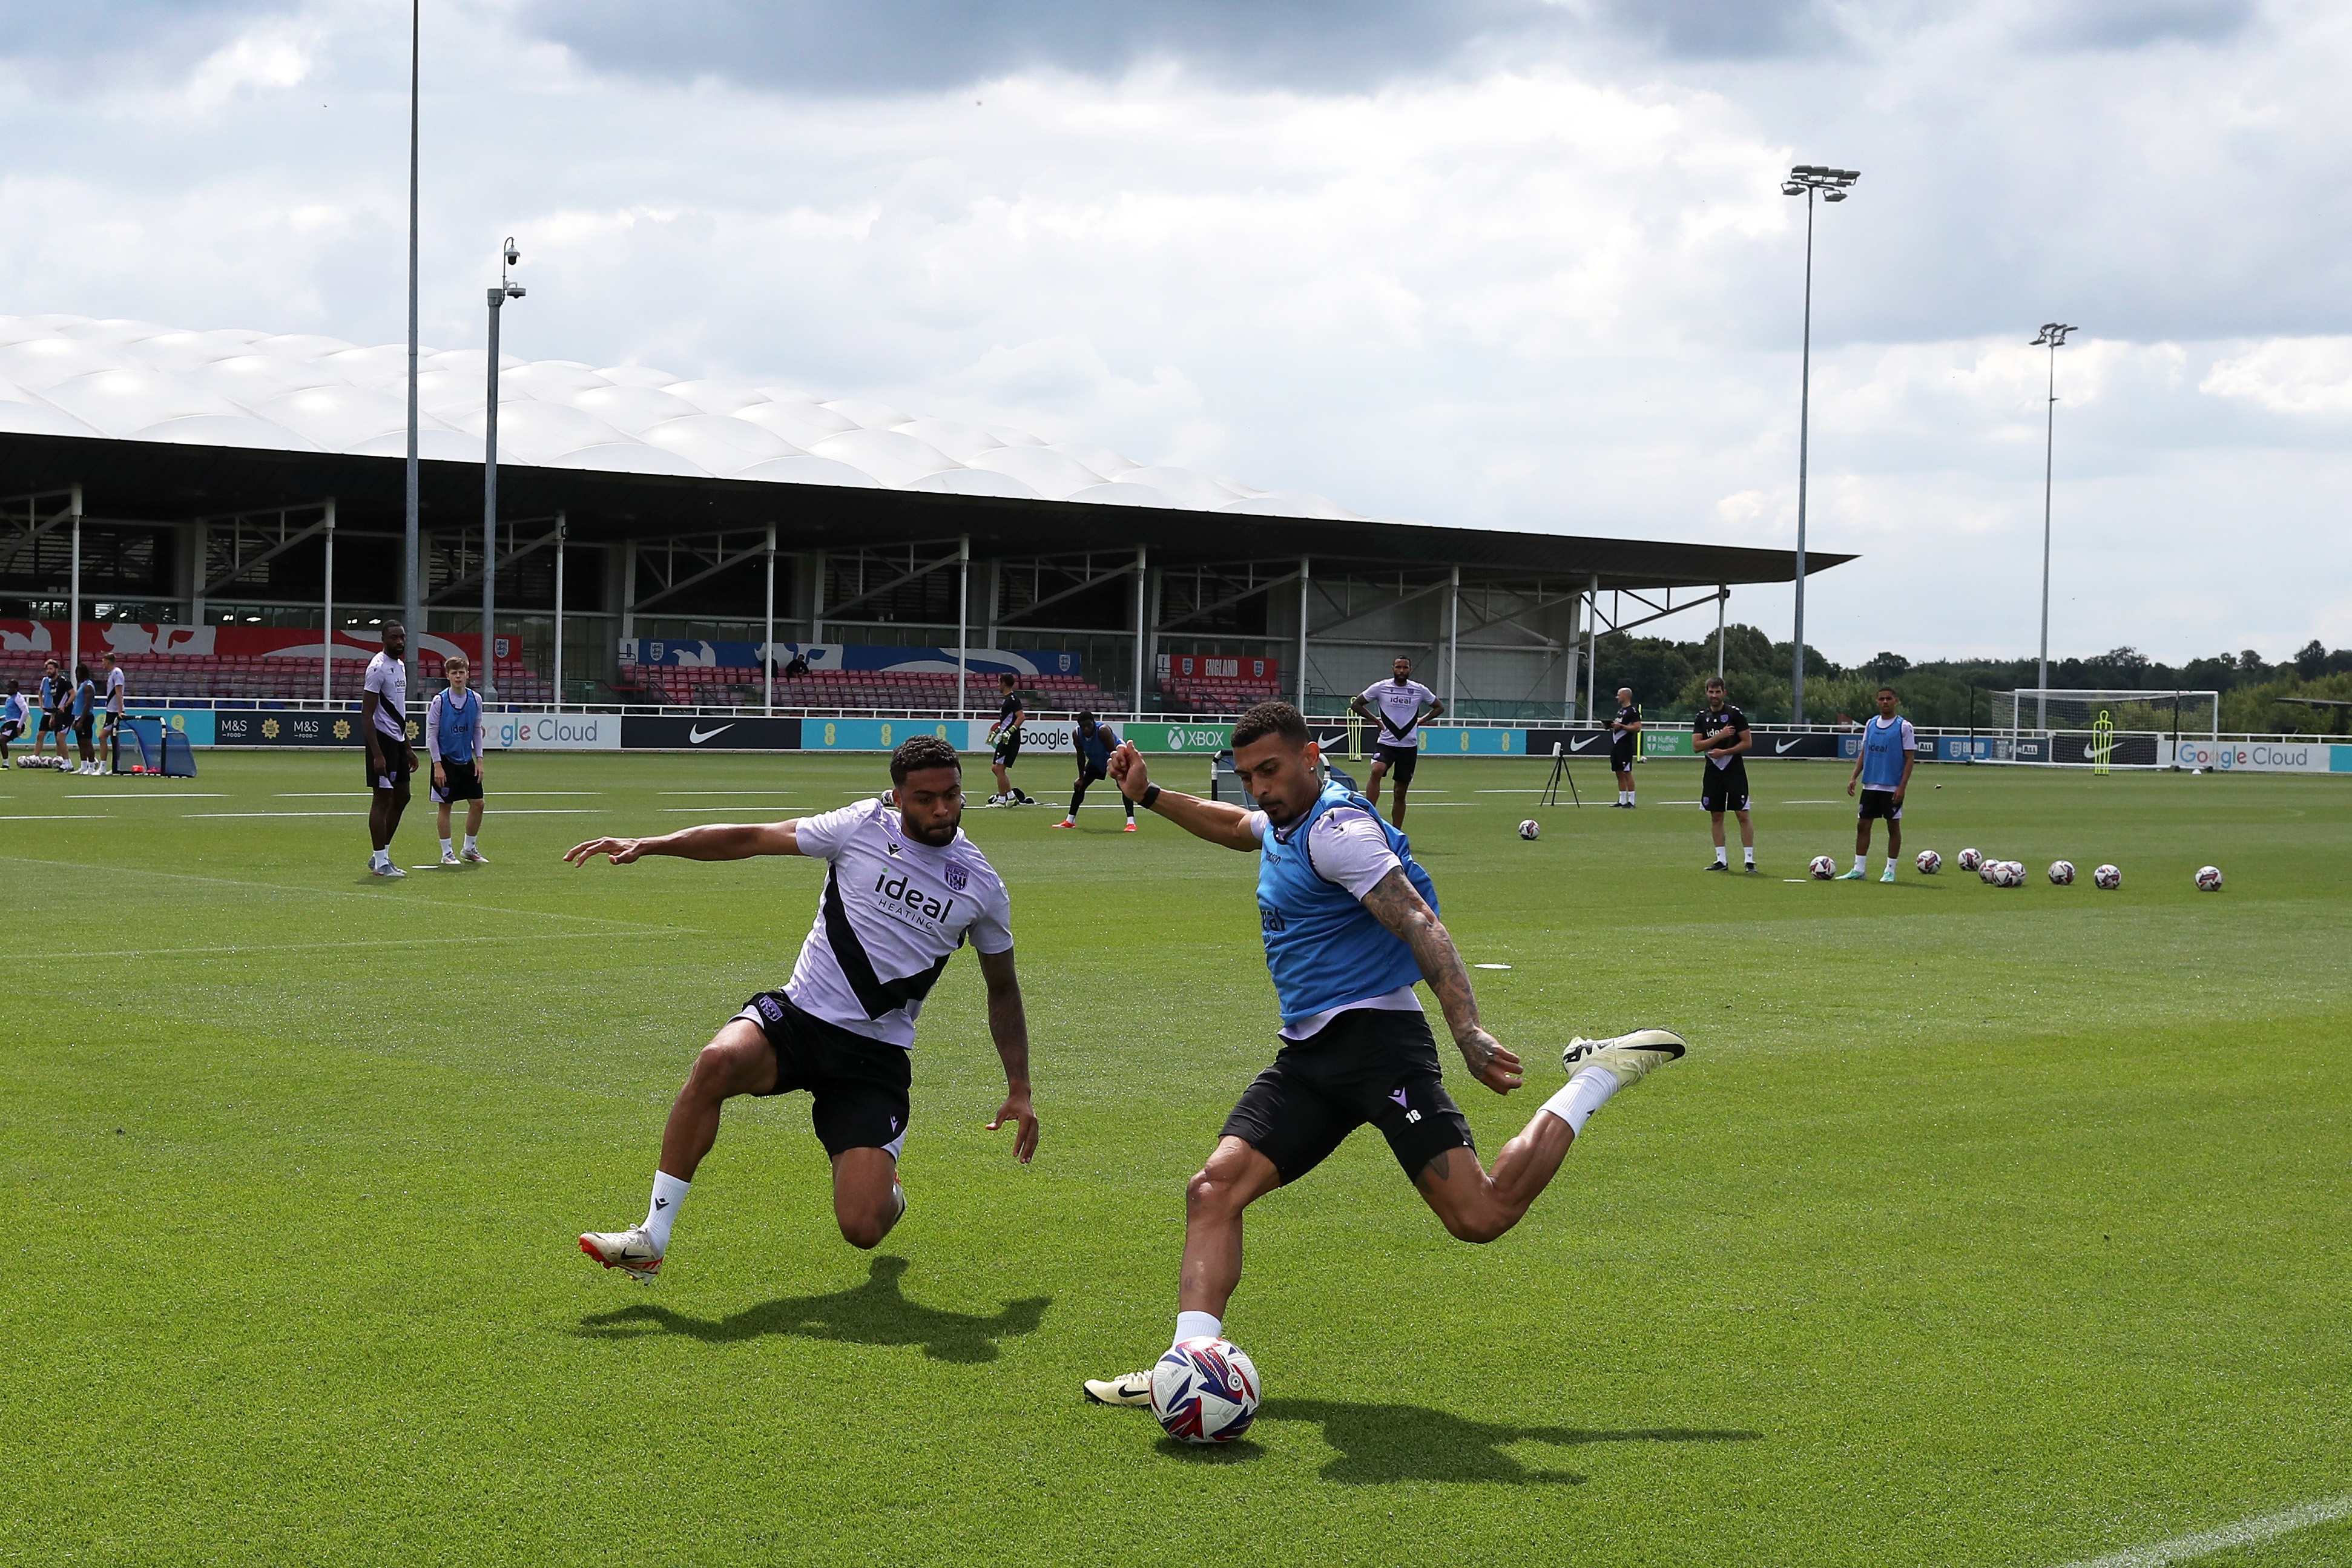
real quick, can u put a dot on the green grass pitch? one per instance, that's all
(1980, 1226)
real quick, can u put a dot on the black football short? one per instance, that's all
(1621, 755)
(859, 1085)
(1400, 761)
(81, 728)
(1008, 749)
(1723, 789)
(11, 727)
(1365, 1065)
(399, 762)
(1878, 803)
(465, 782)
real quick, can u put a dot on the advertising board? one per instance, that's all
(1579, 742)
(275, 727)
(712, 734)
(553, 731)
(2261, 757)
(1473, 742)
(1179, 737)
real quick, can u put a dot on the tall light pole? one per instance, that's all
(507, 290)
(2054, 337)
(410, 592)
(1807, 180)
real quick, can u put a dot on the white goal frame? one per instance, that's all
(2036, 735)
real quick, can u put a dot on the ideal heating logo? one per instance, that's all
(899, 898)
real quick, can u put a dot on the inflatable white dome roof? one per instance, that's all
(135, 381)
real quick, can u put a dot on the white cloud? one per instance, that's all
(271, 57)
(2289, 375)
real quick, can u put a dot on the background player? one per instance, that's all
(85, 713)
(1349, 923)
(1398, 707)
(56, 710)
(1890, 749)
(1006, 732)
(109, 733)
(454, 737)
(903, 889)
(12, 715)
(1094, 741)
(1625, 738)
(383, 720)
(1720, 734)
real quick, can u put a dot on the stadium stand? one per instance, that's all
(1217, 694)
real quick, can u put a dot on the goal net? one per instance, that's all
(2090, 727)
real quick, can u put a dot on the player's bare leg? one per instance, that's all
(738, 1060)
(867, 1197)
(1396, 807)
(1236, 1176)
(1373, 788)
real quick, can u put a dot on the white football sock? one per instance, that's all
(1750, 852)
(1890, 862)
(380, 857)
(1196, 1326)
(1722, 857)
(1587, 1092)
(1860, 858)
(445, 850)
(669, 1195)
(469, 842)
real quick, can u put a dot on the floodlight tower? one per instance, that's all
(2054, 337)
(1808, 180)
(507, 290)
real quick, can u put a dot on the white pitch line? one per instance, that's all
(316, 946)
(695, 792)
(64, 817)
(189, 816)
(323, 795)
(193, 795)
(2245, 1532)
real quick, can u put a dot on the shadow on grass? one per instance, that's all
(874, 1313)
(1380, 1443)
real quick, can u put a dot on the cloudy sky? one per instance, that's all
(1507, 263)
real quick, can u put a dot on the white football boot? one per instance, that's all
(1629, 1057)
(476, 856)
(1134, 1389)
(631, 1251)
(449, 859)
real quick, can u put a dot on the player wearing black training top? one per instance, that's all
(1094, 741)
(1625, 738)
(1006, 732)
(1720, 736)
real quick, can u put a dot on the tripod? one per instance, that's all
(1561, 774)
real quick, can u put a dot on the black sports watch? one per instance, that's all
(1151, 795)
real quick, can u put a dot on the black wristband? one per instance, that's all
(1150, 794)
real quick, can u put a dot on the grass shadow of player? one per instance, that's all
(875, 1313)
(1382, 1443)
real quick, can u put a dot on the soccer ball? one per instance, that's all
(1929, 862)
(1971, 861)
(1987, 871)
(1822, 868)
(1205, 1391)
(2008, 874)
(2062, 872)
(2106, 879)
(1530, 828)
(2209, 878)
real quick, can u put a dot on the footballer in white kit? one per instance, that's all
(1398, 706)
(903, 889)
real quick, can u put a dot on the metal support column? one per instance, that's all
(1454, 641)
(963, 625)
(327, 615)
(1142, 624)
(1302, 633)
(562, 531)
(629, 591)
(768, 646)
(1722, 603)
(816, 605)
(73, 602)
(1592, 646)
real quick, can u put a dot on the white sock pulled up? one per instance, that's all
(669, 1196)
(1196, 1326)
(470, 844)
(1587, 1092)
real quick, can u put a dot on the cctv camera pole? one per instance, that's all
(507, 290)
(1805, 180)
(2054, 337)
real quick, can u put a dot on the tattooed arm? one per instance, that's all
(1398, 905)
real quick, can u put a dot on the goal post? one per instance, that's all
(2105, 728)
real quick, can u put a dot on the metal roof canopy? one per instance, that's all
(164, 483)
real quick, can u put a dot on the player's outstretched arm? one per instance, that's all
(1397, 904)
(711, 841)
(1008, 1025)
(1211, 819)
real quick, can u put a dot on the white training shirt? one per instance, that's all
(114, 690)
(1400, 705)
(1347, 848)
(388, 679)
(892, 913)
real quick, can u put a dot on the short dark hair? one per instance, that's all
(1891, 692)
(82, 673)
(1271, 719)
(919, 752)
(1005, 676)
(1087, 719)
(1714, 680)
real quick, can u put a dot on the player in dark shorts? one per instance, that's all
(1006, 732)
(1350, 924)
(56, 710)
(384, 727)
(1721, 737)
(1398, 708)
(1890, 747)
(1094, 741)
(12, 720)
(1624, 740)
(903, 889)
(85, 714)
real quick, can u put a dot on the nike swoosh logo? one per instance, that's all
(1588, 740)
(1779, 746)
(696, 734)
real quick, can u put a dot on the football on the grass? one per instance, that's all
(1205, 1391)
(2062, 872)
(1530, 828)
(1822, 868)
(1929, 862)
(2209, 878)
(2106, 879)
(1971, 861)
